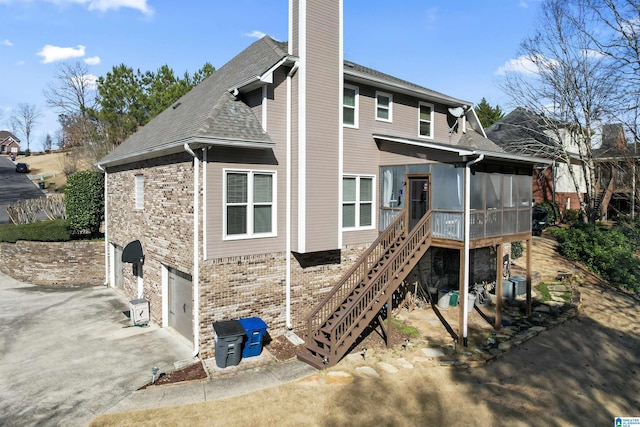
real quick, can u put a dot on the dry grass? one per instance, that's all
(52, 166)
(577, 373)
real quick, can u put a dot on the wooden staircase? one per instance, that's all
(335, 326)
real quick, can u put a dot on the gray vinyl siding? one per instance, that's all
(405, 117)
(323, 74)
(254, 100)
(363, 156)
(274, 160)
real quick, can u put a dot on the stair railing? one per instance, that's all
(356, 274)
(380, 285)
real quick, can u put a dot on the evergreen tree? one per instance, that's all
(487, 114)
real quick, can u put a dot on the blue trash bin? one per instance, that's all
(255, 329)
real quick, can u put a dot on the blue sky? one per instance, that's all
(457, 48)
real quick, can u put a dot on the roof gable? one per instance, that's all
(208, 111)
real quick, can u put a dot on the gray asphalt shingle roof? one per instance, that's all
(208, 110)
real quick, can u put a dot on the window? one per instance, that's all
(357, 202)
(426, 120)
(350, 106)
(249, 204)
(384, 102)
(139, 183)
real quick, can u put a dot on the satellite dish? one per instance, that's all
(456, 112)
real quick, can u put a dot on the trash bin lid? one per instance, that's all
(228, 328)
(252, 323)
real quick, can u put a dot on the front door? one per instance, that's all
(419, 201)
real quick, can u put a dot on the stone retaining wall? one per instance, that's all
(54, 263)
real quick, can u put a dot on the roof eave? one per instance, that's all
(359, 77)
(465, 154)
(255, 82)
(178, 146)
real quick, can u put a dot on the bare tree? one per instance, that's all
(570, 86)
(73, 89)
(24, 119)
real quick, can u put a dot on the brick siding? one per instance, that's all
(55, 263)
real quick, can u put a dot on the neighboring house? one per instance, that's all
(617, 164)
(9, 143)
(303, 189)
(526, 133)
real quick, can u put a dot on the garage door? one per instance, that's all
(181, 303)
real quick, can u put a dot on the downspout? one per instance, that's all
(106, 229)
(467, 220)
(288, 202)
(196, 254)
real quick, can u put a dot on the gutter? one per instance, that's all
(467, 220)
(196, 255)
(106, 228)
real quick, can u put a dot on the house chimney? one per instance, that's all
(315, 34)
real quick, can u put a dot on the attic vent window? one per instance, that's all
(176, 105)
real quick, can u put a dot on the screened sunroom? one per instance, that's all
(500, 199)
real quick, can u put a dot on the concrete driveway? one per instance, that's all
(69, 354)
(14, 186)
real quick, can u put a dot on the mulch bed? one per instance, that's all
(192, 372)
(282, 349)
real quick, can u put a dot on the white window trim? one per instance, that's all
(139, 191)
(390, 108)
(358, 202)
(274, 203)
(356, 107)
(426, 104)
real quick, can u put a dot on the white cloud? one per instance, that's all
(106, 5)
(255, 34)
(524, 65)
(88, 80)
(100, 5)
(51, 53)
(94, 60)
(523, 4)
(6, 42)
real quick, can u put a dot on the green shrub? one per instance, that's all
(607, 252)
(516, 250)
(571, 216)
(84, 202)
(553, 212)
(40, 231)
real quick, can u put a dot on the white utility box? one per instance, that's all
(139, 311)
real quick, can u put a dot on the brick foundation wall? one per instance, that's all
(248, 286)
(55, 263)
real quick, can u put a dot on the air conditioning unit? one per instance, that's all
(139, 311)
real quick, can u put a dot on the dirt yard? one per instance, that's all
(52, 167)
(581, 372)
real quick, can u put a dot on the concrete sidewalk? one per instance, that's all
(252, 374)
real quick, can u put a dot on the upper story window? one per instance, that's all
(384, 104)
(139, 191)
(350, 106)
(426, 120)
(249, 204)
(357, 202)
